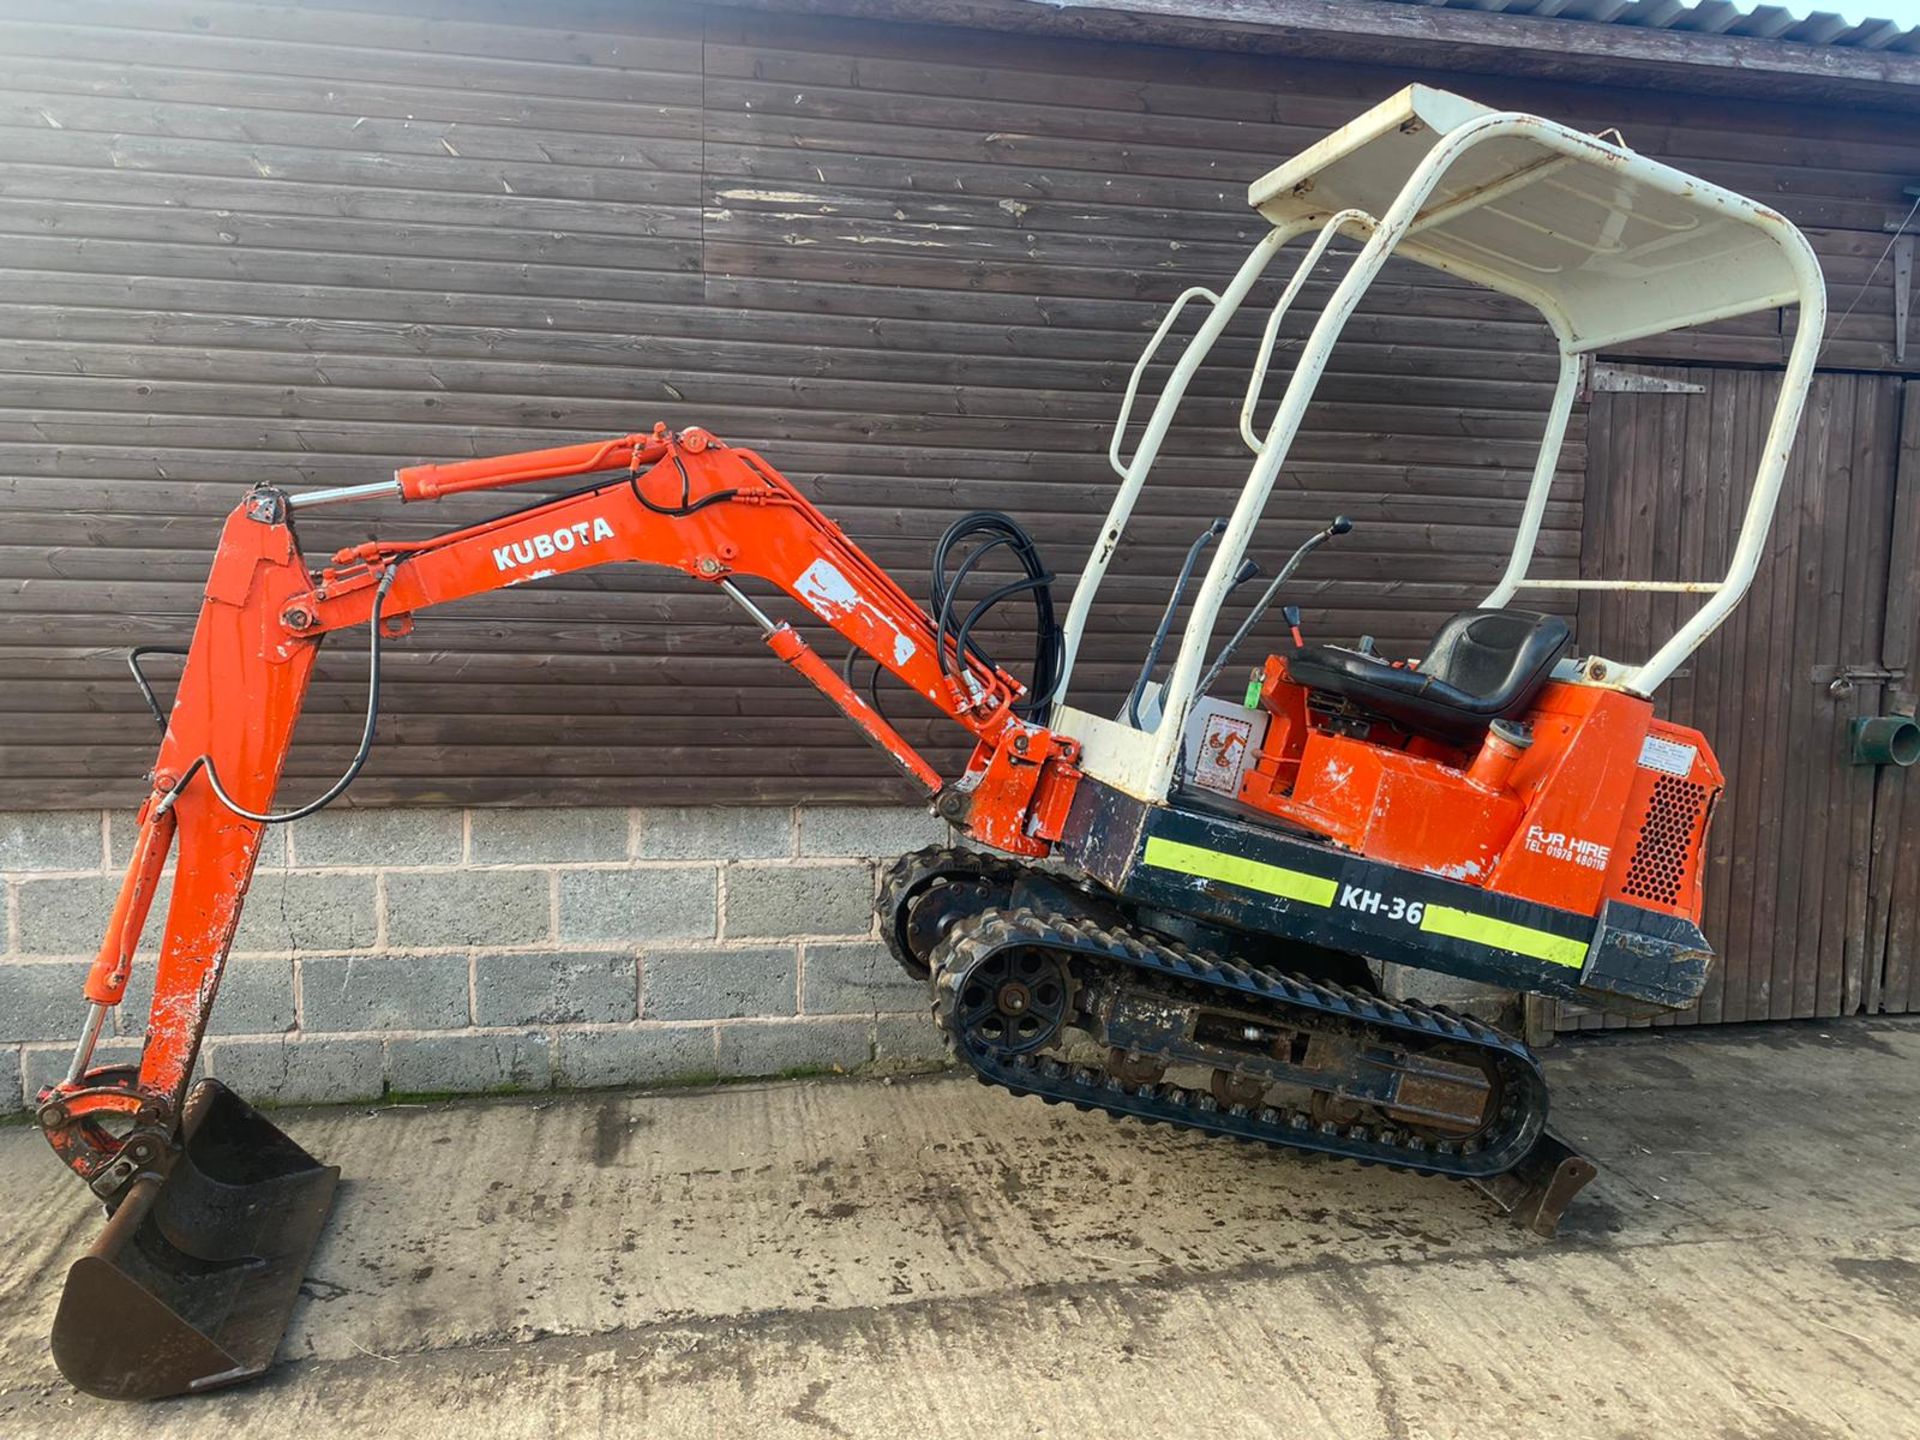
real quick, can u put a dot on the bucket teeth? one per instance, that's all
(190, 1285)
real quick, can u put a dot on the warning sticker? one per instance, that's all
(1223, 753)
(1667, 756)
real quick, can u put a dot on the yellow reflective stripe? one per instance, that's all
(1504, 935)
(1237, 870)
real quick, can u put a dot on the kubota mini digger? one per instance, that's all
(1222, 868)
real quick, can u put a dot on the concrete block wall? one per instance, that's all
(422, 951)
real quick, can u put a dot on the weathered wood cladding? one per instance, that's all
(305, 244)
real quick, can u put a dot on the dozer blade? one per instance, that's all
(1537, 1191)
(190, 1285)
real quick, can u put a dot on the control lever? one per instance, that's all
(1340, 526)
(1211, 533)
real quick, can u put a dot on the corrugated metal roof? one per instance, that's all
(1709, 17)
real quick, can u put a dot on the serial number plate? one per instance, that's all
(1667, 756)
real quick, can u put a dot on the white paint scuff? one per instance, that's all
(831, 596)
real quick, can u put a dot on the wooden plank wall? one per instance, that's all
(304, 244)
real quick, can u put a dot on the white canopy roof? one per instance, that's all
(1609, 245)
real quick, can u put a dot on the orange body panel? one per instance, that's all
(1660, 854)
(1567, 821)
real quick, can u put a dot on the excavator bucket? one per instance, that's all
(190, 1285)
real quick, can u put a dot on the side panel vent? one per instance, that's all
(1659, 864)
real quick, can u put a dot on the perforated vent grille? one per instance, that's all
(1660, 859)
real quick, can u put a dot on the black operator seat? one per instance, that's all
(1483, 665)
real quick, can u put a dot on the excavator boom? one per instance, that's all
(684, 502)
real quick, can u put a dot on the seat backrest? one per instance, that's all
(1483, 665)
(1485, 653)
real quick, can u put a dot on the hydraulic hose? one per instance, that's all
(339, 787)
(996, 530)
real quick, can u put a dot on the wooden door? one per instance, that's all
(1793, 910)
(1893, 867)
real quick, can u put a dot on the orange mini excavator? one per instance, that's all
(1223, 870)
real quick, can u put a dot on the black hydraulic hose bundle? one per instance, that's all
(995, 530)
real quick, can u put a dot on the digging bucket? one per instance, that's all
(190, 1285)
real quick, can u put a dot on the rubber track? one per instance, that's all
(1522, 1087)
(908, 876)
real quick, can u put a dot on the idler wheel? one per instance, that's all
(1017, 1000)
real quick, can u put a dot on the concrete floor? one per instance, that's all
(931, 1258)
